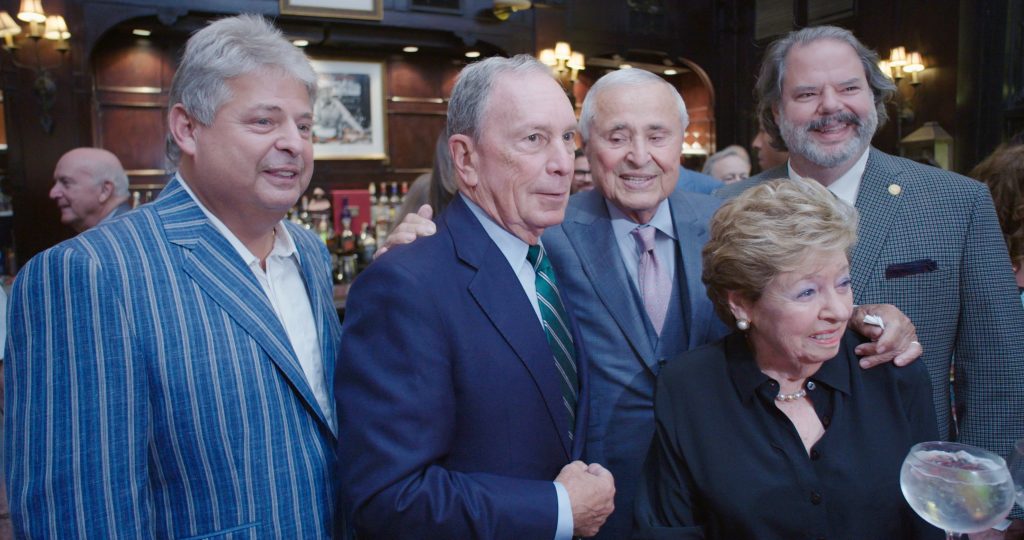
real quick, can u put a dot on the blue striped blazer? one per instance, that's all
(152, 391)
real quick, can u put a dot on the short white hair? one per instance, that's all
(624, 77)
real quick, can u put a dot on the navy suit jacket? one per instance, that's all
(623, 361)
(451, 421)
(152, 391)
(934, 249)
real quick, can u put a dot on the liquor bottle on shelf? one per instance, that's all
(325, 231)
(405, 191)
(136, 199)
(373, 202)
(348, 237)
(367, 246)
(394, 201)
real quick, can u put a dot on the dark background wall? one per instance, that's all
(112, 86)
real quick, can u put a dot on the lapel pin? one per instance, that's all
(895, 189)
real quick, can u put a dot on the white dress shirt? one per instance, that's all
(284, 286)
(846, 186)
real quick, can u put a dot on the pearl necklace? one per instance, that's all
(799, 394)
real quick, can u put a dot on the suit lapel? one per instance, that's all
(691, 237)
(878, 208)
(216, 268)
(589, 230)
(512, 315)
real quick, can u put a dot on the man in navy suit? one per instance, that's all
(462, 382)
(168, 370)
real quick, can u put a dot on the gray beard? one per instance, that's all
(798, 138)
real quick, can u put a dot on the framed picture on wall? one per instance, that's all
(342, 9)
(348, 116)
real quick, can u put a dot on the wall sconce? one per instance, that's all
(565, 64)
(40, 26)
(900, 62)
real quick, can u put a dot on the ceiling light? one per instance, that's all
(670, 72)
(300, 42)
(411, 49)
(472, 54)
(625, 66)
(142, 32)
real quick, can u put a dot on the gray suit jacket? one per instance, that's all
(612, 322)
(936, 252)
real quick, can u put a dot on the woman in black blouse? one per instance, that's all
(774, 431)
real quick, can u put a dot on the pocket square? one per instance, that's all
(920, 266)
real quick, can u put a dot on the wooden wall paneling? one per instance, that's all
(132, 77)
(414, 129)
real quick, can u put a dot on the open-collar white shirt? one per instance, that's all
(285, 287)
(846, 186)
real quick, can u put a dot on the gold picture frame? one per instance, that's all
(340, 9)
(349, 120)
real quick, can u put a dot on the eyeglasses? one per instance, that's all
(581, 172)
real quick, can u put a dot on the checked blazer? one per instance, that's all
(152, 391)
(956, 286)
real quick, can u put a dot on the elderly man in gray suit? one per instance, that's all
(929, 239)
(634, 318)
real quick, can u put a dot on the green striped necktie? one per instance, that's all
(556, 327)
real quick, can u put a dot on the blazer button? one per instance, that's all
(815, 497)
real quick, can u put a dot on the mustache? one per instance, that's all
(840, 117)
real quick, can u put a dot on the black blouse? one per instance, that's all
(727, 463)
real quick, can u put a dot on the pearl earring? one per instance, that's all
(743, 324)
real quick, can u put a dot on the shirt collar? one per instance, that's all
(622, 225)
(747, 378)
(510, 245)
(846, 186)
(283, 244)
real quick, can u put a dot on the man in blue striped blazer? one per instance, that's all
(167, 371)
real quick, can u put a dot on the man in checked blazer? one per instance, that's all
(929, 239)
(167, 371)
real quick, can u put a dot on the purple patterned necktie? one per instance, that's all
(655, 283)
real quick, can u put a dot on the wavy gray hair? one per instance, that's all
(225, 49)
(773, 68)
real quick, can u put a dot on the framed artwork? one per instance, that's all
(348, 116)
(342, 9)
